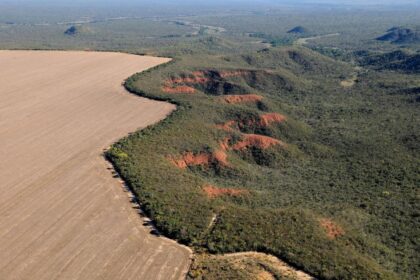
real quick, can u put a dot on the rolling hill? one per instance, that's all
(268, 152)
(400, 35)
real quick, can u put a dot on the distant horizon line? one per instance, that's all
(214, 3)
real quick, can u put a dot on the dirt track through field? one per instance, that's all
(62, 214)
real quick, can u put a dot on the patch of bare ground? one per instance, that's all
(332, 229)
(249, 141)
(304, 41)
(178, 89)
(195, 78)
(181, 85)
(264, 120)
(189, 159)
(227, 126)
(258, 141)
(225, 144)
(246, 98)
(264, 266)
(350, 82)
(270, 118)
(63, 215)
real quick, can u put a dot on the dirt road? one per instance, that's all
(304, 41)
(62, 214)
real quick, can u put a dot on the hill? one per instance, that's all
(71, 31)
(256, 159)
(298, 30)
(400, 35)
(77, 30)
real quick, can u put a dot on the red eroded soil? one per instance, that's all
(224, 145)
(196, 78)
(213, 192)
(227, 126)
(179, 85)
(264, 121)
(267, 119)
(190, 159)
(258, 141)
(332, 229)
(248, 98)
(178, 89)
(221, 157)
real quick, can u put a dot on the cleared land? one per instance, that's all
(304, 41)
(62, 214)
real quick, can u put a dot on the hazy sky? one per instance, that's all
(206, 2)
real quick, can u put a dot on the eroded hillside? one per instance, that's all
(268, 152)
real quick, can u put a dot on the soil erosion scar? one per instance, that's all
(62, 214)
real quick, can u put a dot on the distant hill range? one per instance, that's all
(71, 31)
(76, 30)
(401, 35)
(298, 30)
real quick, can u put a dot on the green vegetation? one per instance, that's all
(352, 158)
(396, 60)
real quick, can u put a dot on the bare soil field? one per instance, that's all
(273, 263)
(252, 265)
(304, 41)
(62, 213)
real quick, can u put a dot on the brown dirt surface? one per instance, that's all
(267, 119)
(258, 141)
(332, 229)
(225, 144)
(221, 157)
(348, 83)
(247, 98)
(264, 121)
(213, 192)
(227, 126)
(179, 90)
(62, 214)
(265, 275)
(190, 159)
(259, 260)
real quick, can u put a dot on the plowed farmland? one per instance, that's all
(63, 214)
